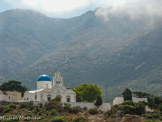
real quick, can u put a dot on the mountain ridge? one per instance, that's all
(119, 52)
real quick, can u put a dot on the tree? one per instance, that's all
(57, 99)
(127, 94)
(160, 107)
(87, 92)
(13, 86)
(98, 101)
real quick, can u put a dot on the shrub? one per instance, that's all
(93, 111)
(56, 99)
(148, 116)
(7, 109)
(23, 105)
(160, 107)
(98, 101)
(53, 105)
(12, 106)
(156, 115)
(67, 106)
(84, 108)
(74, 110)
(127, 109)
(148, 121)
(54, 112)
(79, 119)
(1, 108)
(139, 108)
(109, 112)
(35, 110)
(128, 102)
(58, 119)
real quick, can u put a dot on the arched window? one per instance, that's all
(68, 98)
(48, 97)
(27, 98)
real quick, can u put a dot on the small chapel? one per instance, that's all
(48, 89)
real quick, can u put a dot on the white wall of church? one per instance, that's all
(44, 84)
(103, 107)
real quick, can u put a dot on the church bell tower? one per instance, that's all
(58, 79)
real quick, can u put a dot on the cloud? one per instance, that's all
(50, 6)
(134, 8)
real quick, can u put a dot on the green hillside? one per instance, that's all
(120, 52)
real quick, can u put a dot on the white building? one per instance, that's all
(10, 96)
(120, 100)
(47, 90)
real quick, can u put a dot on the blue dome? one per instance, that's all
(44, 78)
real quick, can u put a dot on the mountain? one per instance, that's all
(120, 52)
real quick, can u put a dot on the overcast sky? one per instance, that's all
(70, 8)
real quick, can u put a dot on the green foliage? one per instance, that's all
(153, 101)
(57, 99)
(22, 105)
(67, 106)
(12, 106)
(13, 86)
(128, 107)
(54, 112)
(153, 116)
(109, 113)
(139, 108)
(93, 111)
(7, 109)
(1, 108)
(87, 92)
(160, 107)
(127, 94)
(98, 101)
(59, 119)
(53, 105)
(79, 119)
(74, 110)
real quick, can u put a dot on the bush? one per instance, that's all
(93, 111)
(128, 102)
(148, 121)
(85, 108)
(12, 106)
(79, 119)
(156, 115)
(58, 119)
(7, 109)
(127, 109)
(53, 105)
(1, 108)
(36, 110)
(56, 99)
(160, 107)
(67, 106)
(74, 110)
(23, 105)
(54, 112)
(148, 116)
(109, 112)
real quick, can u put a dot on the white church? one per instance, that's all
(48, 89)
